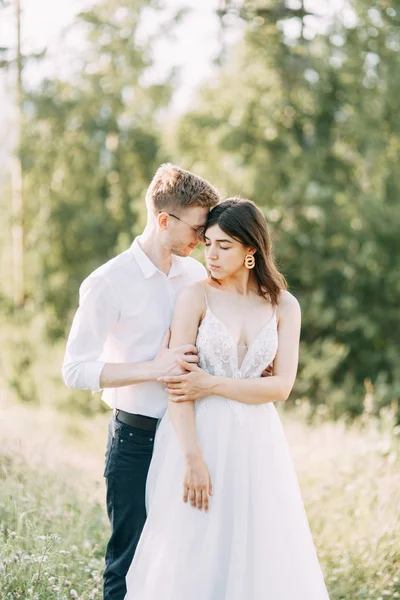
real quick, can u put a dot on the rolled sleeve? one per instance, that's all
(83, 375)
(97, 313)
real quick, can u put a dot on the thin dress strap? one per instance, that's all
(274, 313)
(205, 294)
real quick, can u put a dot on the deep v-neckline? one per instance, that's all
(249, 347)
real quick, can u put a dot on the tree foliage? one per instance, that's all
(91, 144)
(306, 125)
(302, 117)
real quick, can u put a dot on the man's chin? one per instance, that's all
(183, 251)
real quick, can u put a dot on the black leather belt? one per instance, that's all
(139, 421)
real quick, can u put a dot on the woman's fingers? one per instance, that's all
(174, 387)
(172, 379)
(206, 500)
(178, 398)
(175, 397)
(192, 497)
(188, 349)
(188, 359)
(199, 499)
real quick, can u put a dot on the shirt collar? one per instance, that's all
(148, 268)
(177, 267)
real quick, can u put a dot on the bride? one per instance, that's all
(226, 519)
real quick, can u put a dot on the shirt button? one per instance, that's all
(131, 434)
(151, 439)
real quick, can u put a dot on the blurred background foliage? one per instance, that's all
(303, 119)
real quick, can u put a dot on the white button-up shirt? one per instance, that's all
(125, 308)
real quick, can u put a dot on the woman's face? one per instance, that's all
(224, 255)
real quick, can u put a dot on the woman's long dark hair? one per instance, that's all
(242, 220)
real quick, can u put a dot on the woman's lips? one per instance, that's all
(213, 267)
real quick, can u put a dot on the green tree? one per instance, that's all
(304, 124)
(90, 146)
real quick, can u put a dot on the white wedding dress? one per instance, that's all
(255, 542)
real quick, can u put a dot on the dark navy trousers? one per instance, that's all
(128, 456)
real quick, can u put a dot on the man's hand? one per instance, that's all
(197, 483)
(167, 360)
(193, 385)
(268, 371)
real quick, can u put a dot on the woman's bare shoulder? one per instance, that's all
(193, 293)
(288, 304)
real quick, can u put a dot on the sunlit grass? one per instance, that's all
(53, 526)
(51, 534)
(351, 486)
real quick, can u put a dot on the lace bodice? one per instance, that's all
(218, 354)
(218, 351)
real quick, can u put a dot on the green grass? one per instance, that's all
(53, 527)
(51, 535)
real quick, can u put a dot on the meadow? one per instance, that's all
(284, 117)
(54, 529)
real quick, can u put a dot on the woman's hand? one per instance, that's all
(194, 384)
(197, 487)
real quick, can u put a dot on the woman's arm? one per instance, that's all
(197, 384)
(189, 309)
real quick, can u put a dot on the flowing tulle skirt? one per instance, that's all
(254, 543)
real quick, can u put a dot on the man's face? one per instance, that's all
(185, 230)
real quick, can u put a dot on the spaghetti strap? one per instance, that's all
(275, 313)
(205, 294)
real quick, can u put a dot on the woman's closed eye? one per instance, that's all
(221, 247)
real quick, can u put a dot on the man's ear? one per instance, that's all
(162, 220)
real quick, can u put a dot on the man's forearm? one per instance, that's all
(116, 375)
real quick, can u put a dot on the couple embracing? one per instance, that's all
(202, 496)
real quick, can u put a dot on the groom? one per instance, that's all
(119, 344)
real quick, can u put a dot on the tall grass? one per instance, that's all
(51, 534)
(53, 527)
(52, 523)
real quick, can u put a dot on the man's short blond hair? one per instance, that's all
(174, 189)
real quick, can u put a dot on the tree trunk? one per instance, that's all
(17, 208)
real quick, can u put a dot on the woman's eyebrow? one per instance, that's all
(225, 241)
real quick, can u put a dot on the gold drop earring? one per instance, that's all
(249, 261)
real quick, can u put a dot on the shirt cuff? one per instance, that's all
(92, 375)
